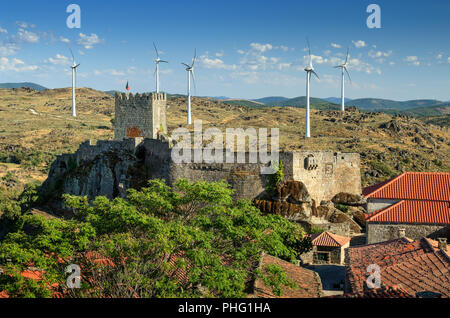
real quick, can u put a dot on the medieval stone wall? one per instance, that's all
(327, 173)
(140, 115)
(380, 232)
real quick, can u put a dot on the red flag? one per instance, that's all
(128, 87)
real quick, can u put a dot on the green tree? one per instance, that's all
(275, 179)
(189, 240)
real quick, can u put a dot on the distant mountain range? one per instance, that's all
(25, 84)
(417, 108)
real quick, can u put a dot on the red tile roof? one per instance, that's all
(329, 239)
(415, 265)
(413, 186)
(413, 211)
(382, 292)
(309, 283)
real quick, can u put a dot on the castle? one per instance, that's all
(140, 152)
(140, 115)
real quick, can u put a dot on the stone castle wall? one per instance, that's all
(140, 115)
(101, 168)
(326, 173)
(380, 232)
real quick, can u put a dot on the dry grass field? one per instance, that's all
(37, 126)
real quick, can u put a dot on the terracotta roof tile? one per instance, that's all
(329, 239)
(413, 186)
(309, 283)
(413, 211)
(382, 292)
(416, 265)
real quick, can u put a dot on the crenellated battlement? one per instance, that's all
(140, 115)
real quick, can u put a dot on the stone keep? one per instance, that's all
(140, 115)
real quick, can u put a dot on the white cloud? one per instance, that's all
(337, 46)
(413, 60)
(88, 41)
(439, 56)
(283, 66)
(283, 48)
(64, 40)
(220, 54)
(27, 36)
(215, 63)
(22, 24)
(359, 44)
(448, 59)
(7, 49)
(4, 31)
(378, 54)
(261, 47)
(15, 65)
(58, 60)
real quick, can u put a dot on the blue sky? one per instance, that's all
(246, 49)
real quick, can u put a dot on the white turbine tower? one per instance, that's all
(157, 61)
(190, 72)
(74, 79)
(309, 70)
(343, 68)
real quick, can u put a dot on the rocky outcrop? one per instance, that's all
(292, 201)
(107, 169)
(349, 199)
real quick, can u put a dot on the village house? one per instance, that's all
(307, 283)
(420, 267)
(328, 248)
(417, 202)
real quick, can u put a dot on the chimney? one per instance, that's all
(442, 243)
(401, 232)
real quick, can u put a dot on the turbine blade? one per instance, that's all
(193, 80)
(346, 59)
(315, 74)
(73, 57)
(348, 74)
(157, 53)
(163, 61)
(188, 66)
(309, 47)
(195, 57)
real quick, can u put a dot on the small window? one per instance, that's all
(323, 257)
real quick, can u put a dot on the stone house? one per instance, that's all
(308, 283)
(416, 202)
(328, 248)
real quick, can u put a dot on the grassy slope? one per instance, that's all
(37, 126)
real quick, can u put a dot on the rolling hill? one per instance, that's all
(270, 100)
(336, 100)
(25, 84)
(377, 104)
(37, 126)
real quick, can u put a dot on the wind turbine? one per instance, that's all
(309, 70)
(190, 72)
(157, 61)
(343, 68)
(74, 78)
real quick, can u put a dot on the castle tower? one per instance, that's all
(140, 115)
